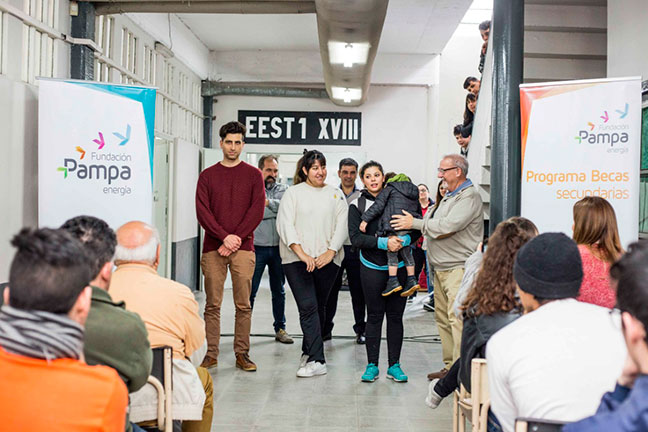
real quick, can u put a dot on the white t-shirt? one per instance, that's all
(315, 218)
(554, 363)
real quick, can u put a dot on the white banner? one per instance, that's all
(95, 152)
(581, 138)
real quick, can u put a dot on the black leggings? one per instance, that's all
(311, 291)
(449, 383)
(373, 283)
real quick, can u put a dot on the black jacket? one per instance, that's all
(476, 332)
(392, 200)
(367, 241)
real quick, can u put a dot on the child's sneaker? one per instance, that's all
(392, 286)
(396, 373)
(371, 373)
(411, 286)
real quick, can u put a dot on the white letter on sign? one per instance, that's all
(262, 127)
(289, 121)
(335, 126)
(249, 126)
(323, 132)
(275, 126)
(302, 122)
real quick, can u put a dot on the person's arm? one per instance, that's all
(203, 212)
(270, 211)
(341, 232)
(139, 347)
(377, 208)
(194, 326)
(461, 214)
(286, 217)
(254, 215)
(359, 239)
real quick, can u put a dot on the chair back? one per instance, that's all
(162, 379)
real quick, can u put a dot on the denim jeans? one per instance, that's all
(269, 255)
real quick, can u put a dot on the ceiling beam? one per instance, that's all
(206, 6)
(218, 88)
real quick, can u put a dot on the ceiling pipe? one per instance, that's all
(217, 88)
(352, 31)
(204, 6)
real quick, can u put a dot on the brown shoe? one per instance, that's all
(243, 362)
(209, 362)
(437, 375)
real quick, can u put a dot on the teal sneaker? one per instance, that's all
(396, 373)
(371, 373)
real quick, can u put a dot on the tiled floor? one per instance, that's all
(274, 399)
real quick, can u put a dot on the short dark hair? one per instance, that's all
(468, 80)
(466, 131)
(267, 157)
(49, 271)
(232, 127)
(631, 275)
(456, 130)
(367, 165)
(389, 175)
(484, 25)
(96, 236)
(348, 162)
(308, 160)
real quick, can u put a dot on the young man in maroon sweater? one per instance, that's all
(230, 198)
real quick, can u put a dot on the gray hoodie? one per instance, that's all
(266, 233)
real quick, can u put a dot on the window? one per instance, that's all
(38, 47)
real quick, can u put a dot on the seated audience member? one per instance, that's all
(626, 408)
(472, 84)
(114, 336)
(484, 30)
(45, 385)
(490, 305)
(597, 236)
(463, 135)
(469, 109)
(170, 314)
(556, 361)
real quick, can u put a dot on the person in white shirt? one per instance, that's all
(557, 360)
(312, 226)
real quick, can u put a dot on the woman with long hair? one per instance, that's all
(491, 304)
(597, 236)
(374, 273)
(469, 109)
(312, 226)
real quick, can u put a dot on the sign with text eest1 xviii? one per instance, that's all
(302, 127)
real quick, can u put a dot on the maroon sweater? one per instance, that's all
(230, 201)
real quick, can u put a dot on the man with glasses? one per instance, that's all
(452, 232)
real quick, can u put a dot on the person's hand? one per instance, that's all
(363, 226)
(629, 373)
(394, 243)
(232, 242)
(402, 222)
(267, 202)
(325, 258)
(223, 251)
(484, 47)
(309, 261)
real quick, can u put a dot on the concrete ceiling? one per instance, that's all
(411, 27)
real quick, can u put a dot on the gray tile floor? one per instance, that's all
(274, 399)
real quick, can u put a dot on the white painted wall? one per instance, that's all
(627, 36)
(459, 59)
(394, 126)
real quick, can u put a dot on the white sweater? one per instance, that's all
(554, 363)
(315, 218)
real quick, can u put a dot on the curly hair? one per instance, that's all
(494, 288)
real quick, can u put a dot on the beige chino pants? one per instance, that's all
(446, 286)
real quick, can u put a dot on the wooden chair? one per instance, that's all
(473, 405)
(162, 379)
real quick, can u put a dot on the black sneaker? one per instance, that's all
(392, 286)
(411, 286)
(360, 339)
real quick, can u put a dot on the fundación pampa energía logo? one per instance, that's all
(607, 133)
(99, 166)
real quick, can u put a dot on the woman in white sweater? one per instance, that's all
(312, 226)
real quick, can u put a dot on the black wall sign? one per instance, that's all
(302, 127)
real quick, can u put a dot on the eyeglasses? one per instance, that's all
(444, 170)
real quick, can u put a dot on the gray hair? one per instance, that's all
(144, 253)
(460, 161)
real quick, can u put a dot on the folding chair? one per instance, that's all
(162, 379)
(474, 406)
(535, 425)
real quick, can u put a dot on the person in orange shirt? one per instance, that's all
(46, 384)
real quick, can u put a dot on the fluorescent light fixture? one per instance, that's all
(348, 53)
(346, 94)
(163, 50)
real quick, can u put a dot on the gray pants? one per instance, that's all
(405, 254)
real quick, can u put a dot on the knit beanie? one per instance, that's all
(549, 267)
(399, 178)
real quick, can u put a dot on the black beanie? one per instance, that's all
(549, 267)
